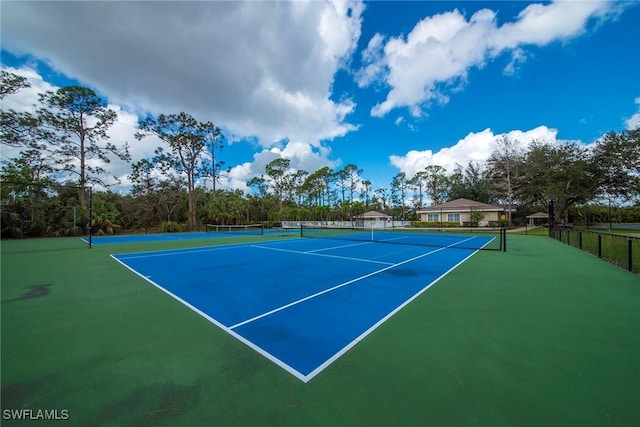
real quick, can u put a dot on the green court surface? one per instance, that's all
(542, 335)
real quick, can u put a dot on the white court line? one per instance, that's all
(349, 346)
(341, 285)
(183, 251)
(322, 255)
(237, 336)
(339, 247)
(266, 354)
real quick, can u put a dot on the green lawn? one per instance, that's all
(542, 335)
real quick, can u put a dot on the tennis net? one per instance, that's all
(235, 229)
(461, 238)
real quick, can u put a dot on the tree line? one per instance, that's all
(64, 149)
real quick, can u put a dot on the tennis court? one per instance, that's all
(303, 303)
(542, 334)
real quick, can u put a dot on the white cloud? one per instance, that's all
(475, 147)
(436, 56)
(260, 69)
(634, 121)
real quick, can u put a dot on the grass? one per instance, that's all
(613, 247)
(633, 232)
(543, 334)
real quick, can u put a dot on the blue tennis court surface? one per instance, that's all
(302, 303)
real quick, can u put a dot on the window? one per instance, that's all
(453, 217)
(433, 217)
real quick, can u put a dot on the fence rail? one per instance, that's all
(620, 250)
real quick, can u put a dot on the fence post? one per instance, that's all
(599, 245)
(630, 253)
(580, 239)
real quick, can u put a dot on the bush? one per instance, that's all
(497, 223)
(171, 227)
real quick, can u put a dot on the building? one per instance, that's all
(463, 212)
(538, 218)
(372, 218)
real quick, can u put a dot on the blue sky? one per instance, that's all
(389, 86)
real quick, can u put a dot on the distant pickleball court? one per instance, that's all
(303, 302)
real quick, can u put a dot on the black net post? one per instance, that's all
(90, 217)
(504, 240)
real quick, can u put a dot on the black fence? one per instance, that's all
(620, 250)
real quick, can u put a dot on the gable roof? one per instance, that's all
(539, 215)
(462, 205)
(372, 214)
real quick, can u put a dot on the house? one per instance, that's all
(538, 218)
(372, 217)
(461, 211)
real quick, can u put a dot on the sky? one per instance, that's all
(389, 86)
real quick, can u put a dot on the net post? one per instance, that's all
(90, 217)
(630, 254)
(301, 226)
(504, 239)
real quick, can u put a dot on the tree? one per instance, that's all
(503, 170)
(617, 159)
(187, 139)
(352, 174)
(470, 183)
(13, 125)
(211, 166)
(297, 182)
(342, 179)
(382, 196)
(260, 185)
(399, 188)
(562, 173)
(78, 120)
(317, 186)
(436, 183)
(276, 170)
(11, 83)
(21, 129)
(418, 182)
(144, 189)
(366, 192)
